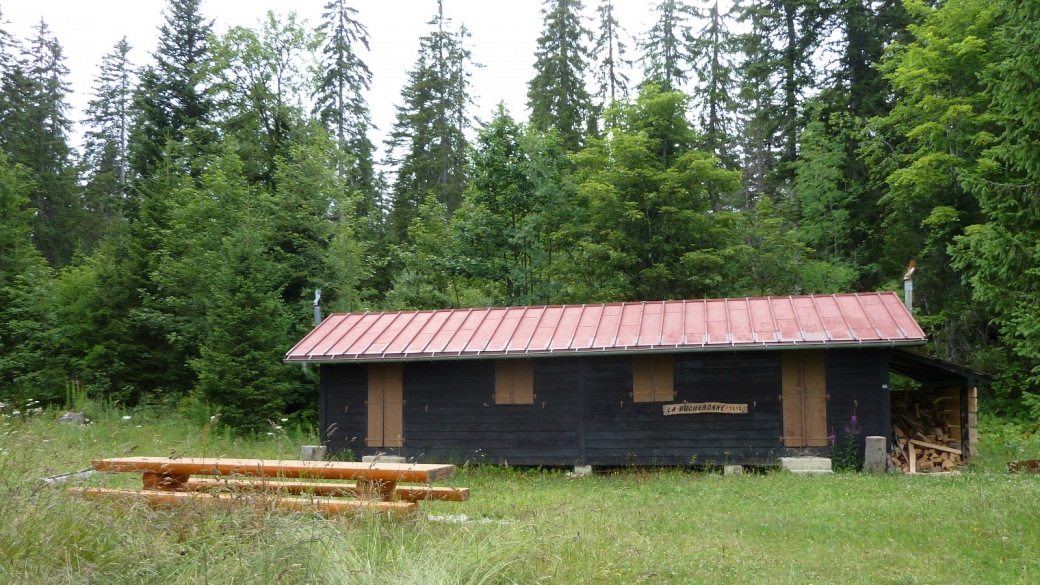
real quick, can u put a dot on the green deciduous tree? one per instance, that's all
(649, 208)
(924, 147)
(263, 83)
(1001, 256)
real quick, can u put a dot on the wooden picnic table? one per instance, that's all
(168, 480)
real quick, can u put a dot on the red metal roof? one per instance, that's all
(712, 324)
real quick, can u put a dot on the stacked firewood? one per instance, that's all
(924, 442)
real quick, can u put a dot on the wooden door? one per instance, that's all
(804, 382)
(385, 405)
(393, 405)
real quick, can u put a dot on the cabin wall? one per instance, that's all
(583, 410)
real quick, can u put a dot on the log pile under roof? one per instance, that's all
(927, 434)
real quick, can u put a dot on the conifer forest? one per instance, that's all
(762, 147)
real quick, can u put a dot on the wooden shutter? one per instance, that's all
(642, 379)
(375, 405)
(385, 405)
(514, 382)
(523, 382)
(804, 382)
(503, 382)
(664, 385)
(652, 378)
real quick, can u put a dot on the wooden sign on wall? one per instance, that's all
(704, 407)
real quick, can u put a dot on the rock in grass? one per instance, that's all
(77, 418)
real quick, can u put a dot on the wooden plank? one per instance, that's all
(393, 405)
(403, 492)
(376, 374)
(791, 383)
(936, 447)
(663, 378)
(913, 458)
(290, 468)
(523, 381)
(503, 381)
(814, 384)
(166, 498)
(642, 378)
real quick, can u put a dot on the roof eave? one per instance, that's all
(606, 351)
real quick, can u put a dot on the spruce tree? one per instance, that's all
(339, 101)
(666, 56)
(780, 49)
(247, 327)
(34, 132)
(609, 54)
(712, 49)
(557, 96)
(428, 142)
(24, 279)
(173, 100)
(105, 150)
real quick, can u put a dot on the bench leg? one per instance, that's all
(164, 481)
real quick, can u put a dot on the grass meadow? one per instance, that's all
(520, 525)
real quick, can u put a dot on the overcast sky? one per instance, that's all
(504, 34)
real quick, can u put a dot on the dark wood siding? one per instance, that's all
(450, 414)
(854, 382)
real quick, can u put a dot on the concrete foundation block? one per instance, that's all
(312, 453)
(582, 470)
(875, 457)
(382, 459)
(733, 470)
(806, 465)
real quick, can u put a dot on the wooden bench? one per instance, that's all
(169, 481)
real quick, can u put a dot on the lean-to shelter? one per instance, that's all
(741, 380)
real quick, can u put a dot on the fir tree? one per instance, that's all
(173, 100)
(428, 142)
(715, 80)
(34, 132)
(339, 99)
(557, 96)
(781, 47)
(609, 53)
(24, 278)
(105, 150)
(239, 367)
(666, 57)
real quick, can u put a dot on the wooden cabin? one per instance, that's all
(695, 382)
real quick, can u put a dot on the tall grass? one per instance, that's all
(520, 526)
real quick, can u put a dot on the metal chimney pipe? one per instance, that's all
(317, 307)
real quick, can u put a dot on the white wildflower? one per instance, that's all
(127, 417)
(284, 420)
